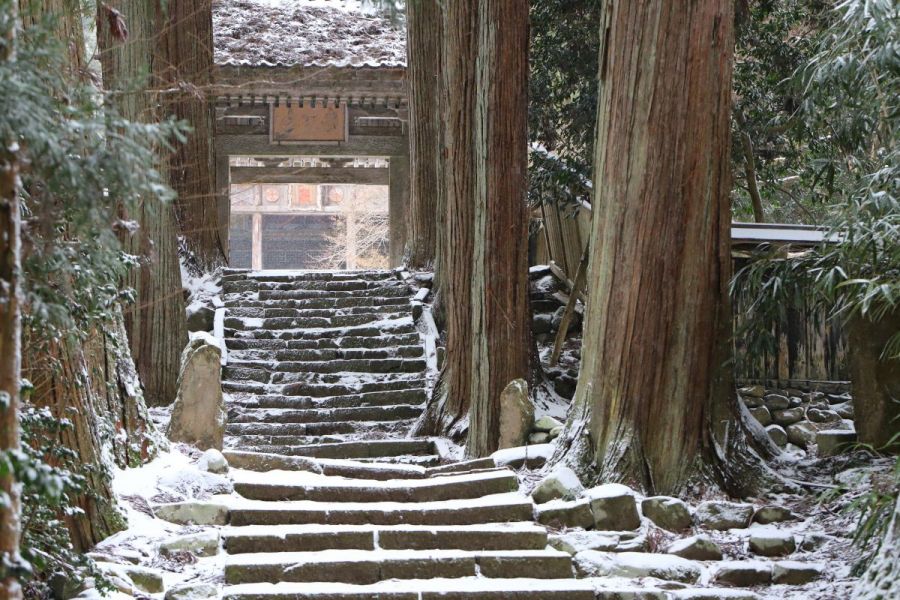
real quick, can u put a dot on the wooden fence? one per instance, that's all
(808, 347)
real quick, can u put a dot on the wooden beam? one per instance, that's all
(398, 205)
(356, 145)
(348, 175)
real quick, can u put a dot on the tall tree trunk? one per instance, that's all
(10, 331)
(500, 327)
(156, 323)
(423, 42)
(460, 49)
(655, 390)
(184, 65)
(876, 381)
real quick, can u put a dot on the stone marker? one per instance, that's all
(516, 414)
(198, 415)
(771, 542)
(834, 441)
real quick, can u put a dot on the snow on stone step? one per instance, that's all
(307, 294)
(348, 342)
(341, 431)
(239, 301)
(239, 323)
(367, 566)
(314, 354)
(253, 329)
(315, 538)
(494, 508)
(337, 450)
(470, 588)
(410, 396)
(303, 485)
(392, 412)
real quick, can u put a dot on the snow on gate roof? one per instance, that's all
(309, 33)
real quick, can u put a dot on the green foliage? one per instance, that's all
(775, 38)
(565, 37)
(82, 166)
(852, 101)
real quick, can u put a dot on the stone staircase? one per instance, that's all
(326, 373)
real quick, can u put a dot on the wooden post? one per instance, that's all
(223, 200)
(256, 262)
(578, 284)
(398, 202)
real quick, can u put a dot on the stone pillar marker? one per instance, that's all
(198, 415)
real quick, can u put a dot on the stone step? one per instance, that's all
(399, 326)
(300, 485)
(394, 412)
(329, 384)
(370, 429)
(427, 589)
(244, 274)
(379, 469)
(355, 285)
(367, 567)
(317, 303)
(498, 508)
(411, 396)
(319, 354)
(316, 538)
(278, 323)
(348, 342)
(350, 450)
(269, 312)
(392, 291)
(298, 371)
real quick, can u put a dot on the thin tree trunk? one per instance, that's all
(423, 42)
(655, 389)
(183, 68)
(500, 327)
(156, 323)
(750, 169)
(10, 331)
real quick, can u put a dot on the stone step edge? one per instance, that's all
(264, 461)
(417, 589)
(324, 557)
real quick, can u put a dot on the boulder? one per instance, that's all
(822, 416)
(697, 547)
(542, 323)
(792, 572)
(752, 391)
(788, 416)
(801, 434)
(213, 461)
(200, 317)
(562, 483)
(531, 457)
(762, 415)
(614, 507)
(192, 512)
(559, 513)
(539, 437)
(573, 542)
(771, 542)
(743, 573)
(813, 541)
(844, 410)
(193, 591)
(546, 424)
(555, 432)
(205, 543)
(713, 594)
(778, 435)
(834, 441)
(721, 515)
(773, 514)
(753, 402)
(591, 563)
(516, 414)
(777, 402)
(666, 512)
(145, 579)
(198, 415)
